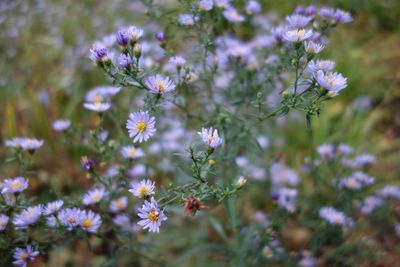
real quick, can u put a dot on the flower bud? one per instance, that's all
(211, 162)
(137, 49)
(242, 181)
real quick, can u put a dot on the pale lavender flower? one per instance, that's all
(342, 17)
(14, 185)
(356, 181)
(161, 36)
(3, 222)
(324, 65)
(22, 256)
(124, 61)
(51, 221)
(286, 198)
(326, 151)
(61, 125)
(123, 221)
(370, 203)
(187, 19)
(90, 221)
(101, 93)
(232, 15)
(143, 189)
(252, 7)
(261, 218)
(298, 35)
(119, 204)
(298, 21)
(344, 149)
(307, 261)
(160, 85)
(364, 159)
(94, 196)
(210, 137)
(332, 81)
(392, 191)
(140, 126)
(313, 48)
(205, 5)
(151, 216)
(134, 33)
(14, 142)
(334, 216)
(52, 207)
(223, 4)
(97, 106)
(178, 61)
(282, 175)
(27, 217)
(130, 152)
(70, 217)
(397, 229)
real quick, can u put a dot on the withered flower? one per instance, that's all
(192, 205)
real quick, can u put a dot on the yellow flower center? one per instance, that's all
(161, 86)
(153, 216)
(87, 223)
(141, 126)
(120, 204)
(132, 152)
(143, 190)
(98, 98)
(16, 184)
(96, 197)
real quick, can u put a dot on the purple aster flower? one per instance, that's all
(324, 65)
(30, 144)
(232, 15)
(101, 93)
(370, 203)
(205, 5)
(15, 185)
(124, 61)
(252, 7)
(334, 216)
(326, 12)
(94, 196)
(134, 33)
(90, 221)
(344, 149)
(140, 126)
(223, 4)
(326, 151)
(342, 17)
(332, 81)
(298, 21)
(281, 175)
(61, 125)
(97, 106)
(3, 222)
(24, 255)
(130, 152)
(210, 137)
(27, 217)
(71, 217)
(51, 221)
(119, 204)
(160, 85)
(98, 53)
(123, 38)
(178, 61)
(187, 19)
(279, 32)
(286, 198)
(311, 10)
(14, 142)
(151, 216)
(143, 189)
(363, 159)
(160, 36)
(313, 48)
(298, 35)
(53, 207)
(87, 164)
(392, 191)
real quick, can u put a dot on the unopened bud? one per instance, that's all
(242, 181)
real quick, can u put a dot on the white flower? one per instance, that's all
(118, 204)
(151, 216)
(90, 221)
(159, 84)
(61, 125)
(97, 106)
(140, 126)
(130, 152)
(143, 189)
(52, 207)
(94, 196)
(210, 137)
(297, 35)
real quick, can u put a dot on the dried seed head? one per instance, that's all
(192, 205)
